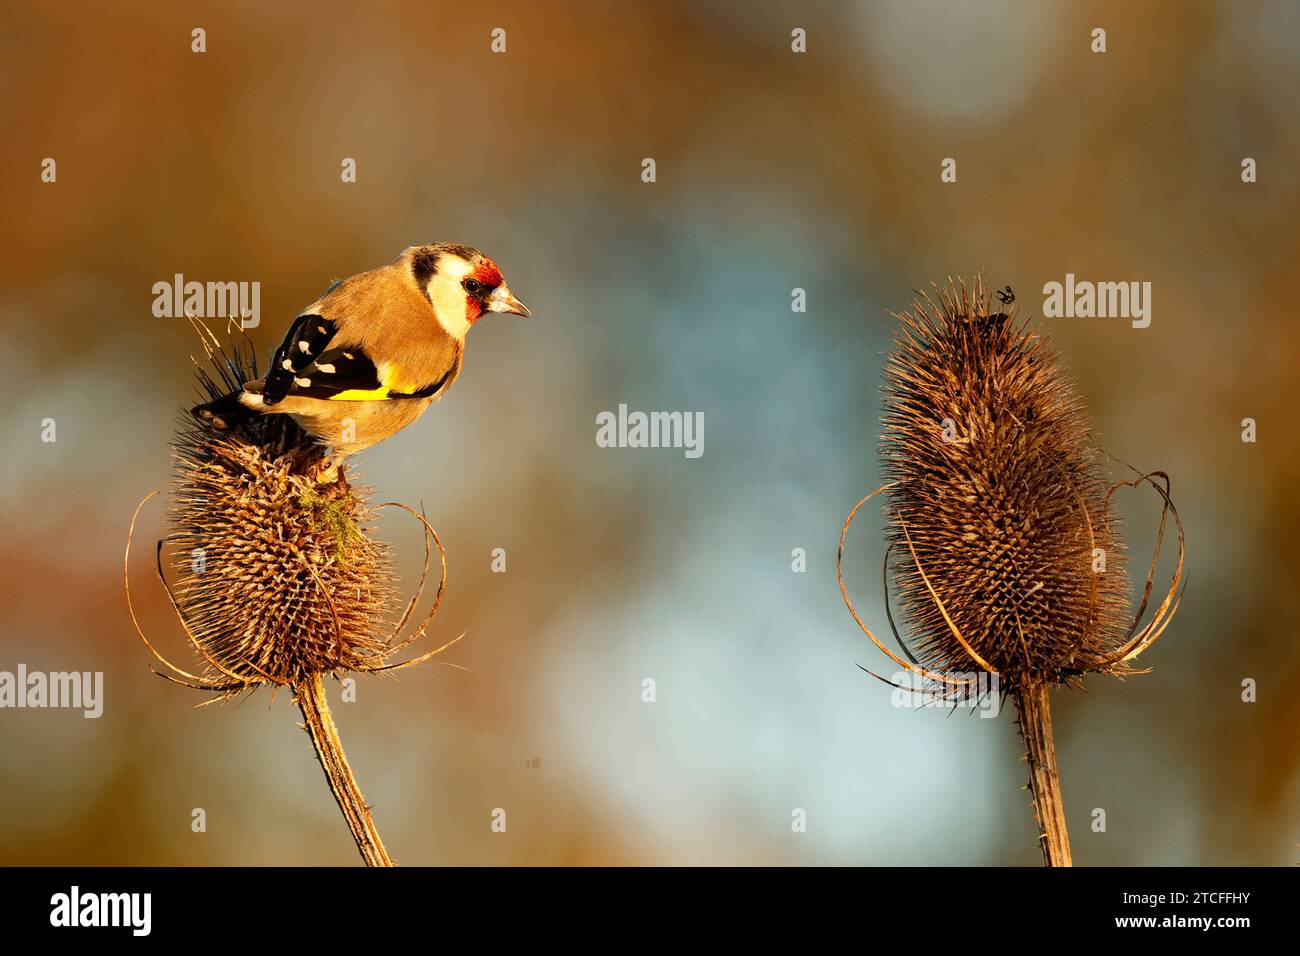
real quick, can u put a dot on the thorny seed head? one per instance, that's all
(999, 502)
(277, 575)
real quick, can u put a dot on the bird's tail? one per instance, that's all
(224, 412)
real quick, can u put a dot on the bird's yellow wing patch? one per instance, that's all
(361, 395)
(392, 378)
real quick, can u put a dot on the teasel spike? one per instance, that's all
(291, 587)
(995, 489)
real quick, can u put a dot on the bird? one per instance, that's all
(375, 350)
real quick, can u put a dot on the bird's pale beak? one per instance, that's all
(503, 300)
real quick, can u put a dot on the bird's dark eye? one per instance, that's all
(472, 285)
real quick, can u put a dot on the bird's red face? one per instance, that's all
(480, 285)
(465, 286)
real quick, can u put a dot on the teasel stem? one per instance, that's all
(310, 696)
(1035, 713)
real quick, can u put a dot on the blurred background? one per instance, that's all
(775, 170)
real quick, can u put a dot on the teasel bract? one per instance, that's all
(1003, 548)
(276, 578)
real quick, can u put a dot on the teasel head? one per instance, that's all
(275, 574)
(1003, 547)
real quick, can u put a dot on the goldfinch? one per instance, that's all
(374, 351)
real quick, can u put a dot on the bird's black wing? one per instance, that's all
(306, 340)
(343, 373)
(306, 365)
(349, 374)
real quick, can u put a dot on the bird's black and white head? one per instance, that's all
(462, 284)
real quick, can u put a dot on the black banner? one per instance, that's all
(939, 907)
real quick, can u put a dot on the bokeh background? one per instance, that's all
(776, 170)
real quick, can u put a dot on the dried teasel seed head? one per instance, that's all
(1006, 554)
(279, 580)
(276, 576)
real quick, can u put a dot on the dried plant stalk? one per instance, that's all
(310, 696)
(1035, 718)
(1007, 556)
(278, 580)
